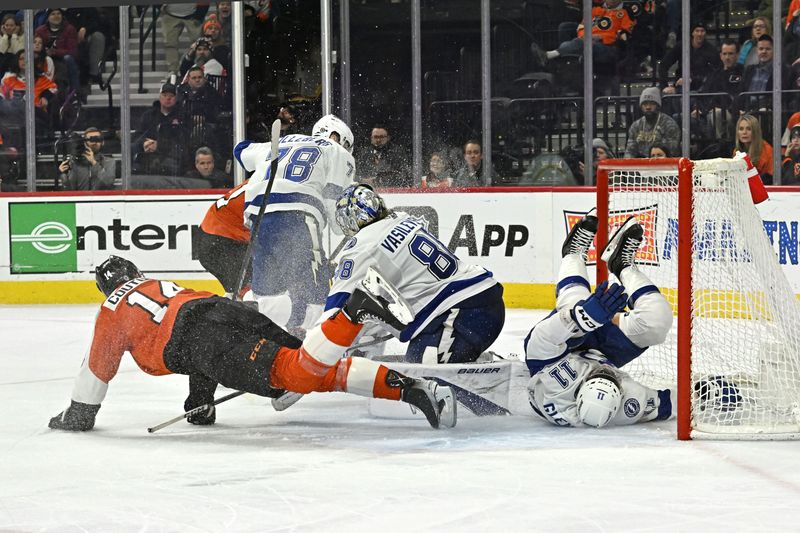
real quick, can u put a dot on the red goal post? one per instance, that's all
(734, 346)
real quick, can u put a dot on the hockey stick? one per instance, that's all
(195, 411)
(376, 340)
(273, 170)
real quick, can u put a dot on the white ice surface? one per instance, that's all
(326, 465)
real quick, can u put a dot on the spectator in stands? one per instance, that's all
(611, 23)
(659, 151)
(758, 78)
(88, 169)
(48, 66)
(472, 173)
(11, 42)
(727, 78)
(748, 55)
(791, 34)
(224, 18)
(703, 59)
(160, 145)
(199, 55)
(793, 121)
(750, 140)
(93, 34)
(200, 106)
(438, 175)
(175, 19)
(12, 87)
(654, 127)
(61, 43)
(600, 152)
(221, 51)
(382, 164)
(205, 169)
(790, 171)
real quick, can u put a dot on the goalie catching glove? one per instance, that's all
(77, 417)
(600, 307)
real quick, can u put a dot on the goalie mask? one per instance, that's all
(113, 272)
(599, 399)
(330, 124)
(357, 207)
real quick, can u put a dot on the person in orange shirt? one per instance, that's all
(222, 240)
(749, 140)
(13, 86)
(171, 330)
(611, 22)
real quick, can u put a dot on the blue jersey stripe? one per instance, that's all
(237, 152)
(647, 289)
(336, 301)
(572, 280)
(449, 290)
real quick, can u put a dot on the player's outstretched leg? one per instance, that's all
(620, 252)
(573, 283)
(581, 236)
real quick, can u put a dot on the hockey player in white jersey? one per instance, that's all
(290, 270)
(458, 307)
(574, 354)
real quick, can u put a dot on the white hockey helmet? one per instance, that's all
(359, 206)
(330, 124)
(598, 399)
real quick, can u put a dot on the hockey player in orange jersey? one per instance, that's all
(222, 239)
(169, 329)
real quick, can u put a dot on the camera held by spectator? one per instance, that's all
(84, 167)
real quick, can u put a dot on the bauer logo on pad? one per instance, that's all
(647, 217)
(43, 237)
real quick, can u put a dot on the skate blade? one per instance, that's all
(377, 285)
(286, 400)
(614, 240)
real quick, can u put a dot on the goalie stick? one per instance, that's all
(273, 170)
(195, 411)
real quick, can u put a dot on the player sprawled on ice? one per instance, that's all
(574, 354)
(290, 271)
(458, 307)
(168, 329)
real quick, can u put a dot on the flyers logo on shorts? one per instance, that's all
(647, 217)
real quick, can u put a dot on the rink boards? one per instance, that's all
(51, 243)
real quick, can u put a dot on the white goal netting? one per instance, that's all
(745, 319)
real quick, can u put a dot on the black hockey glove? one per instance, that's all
(77, 417)
(600, 307)
(201, 392)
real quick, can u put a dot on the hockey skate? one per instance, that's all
(620, 252)
(380, 301)
(286, 400)
(581, 236)
(437, 402)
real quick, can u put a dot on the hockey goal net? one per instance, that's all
(734, 349)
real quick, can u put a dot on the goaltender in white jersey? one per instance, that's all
(290, 270)
(458, 307)
(574, 354)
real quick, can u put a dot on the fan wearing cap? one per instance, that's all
(212, 32)
(703, 59)
(160, 142)
(200, 55)
(654, 127)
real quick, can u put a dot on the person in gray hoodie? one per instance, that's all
(654, 127)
